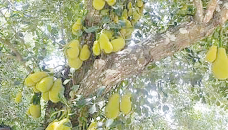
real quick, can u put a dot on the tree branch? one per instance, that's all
(133, 60)
(199, 10)
(210, 10)
(18, 55)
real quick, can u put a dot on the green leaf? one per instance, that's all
(93, 109)
(91, 29)
(66, 81)
(106, 19)
(68, 124)
(49, 28)
(75, 87)
(17, 82)
(100, 91)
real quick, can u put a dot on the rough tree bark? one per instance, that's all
(133, 59)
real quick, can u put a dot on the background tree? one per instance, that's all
(167, 91)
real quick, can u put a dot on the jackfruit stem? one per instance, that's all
(220, 36)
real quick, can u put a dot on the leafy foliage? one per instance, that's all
(178, 92)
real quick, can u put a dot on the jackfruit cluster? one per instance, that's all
(114, 105)
(64, 124)
(42, 82)
(76, 54)
(218, 58)
(107, 41)
(110, 41)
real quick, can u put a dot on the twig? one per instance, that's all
(199, 11)
(210, 10)
(18, 55)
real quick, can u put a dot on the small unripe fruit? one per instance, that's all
(56, 90)
(37, 76)
(96, 48)
(211, 54)
(18, 97)
(111, 2)
(105, 44)
(45, 84)
(98, 4)
(108, 33)
(139, 3)
(29, 82)
(35, 110)
(35, 90)
(73, 49)
(85, 53)
(118, 44)
(124, 14)
(112, 108)
(75, 63)
(77, 26)
(220, 65)
(125, 105)
(45, 96)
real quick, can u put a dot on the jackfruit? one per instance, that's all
(123, 32)
(220, 65)
(35, 110)
(105, 12)
(108, 33)
(139, 3)
(56, 90)
(28, 112)
(129, 32)
(127, 23)
(136, 15)
(77, 26)
(53, 125)
(129, 5)
(35, 90)
(18, 97)
(105, 44)
(85, 53)
(96, 48)
(45, 84)
(64, 124)
(111, 2)
(98, 4)
(45, 96)
(211, 54)
(92, 126)
(130, 12)
(125, 105)
(141, 10)
(75, 63)
(118, 44)
(73, 49)
(37, 76)
(29, 82)
(116, 19)
(112, 108)
(124, 14)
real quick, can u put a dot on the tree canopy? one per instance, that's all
(150, 52)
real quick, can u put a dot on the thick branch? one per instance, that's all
(133, 60)
(199, 10)
(210, 10)
(18, 55)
